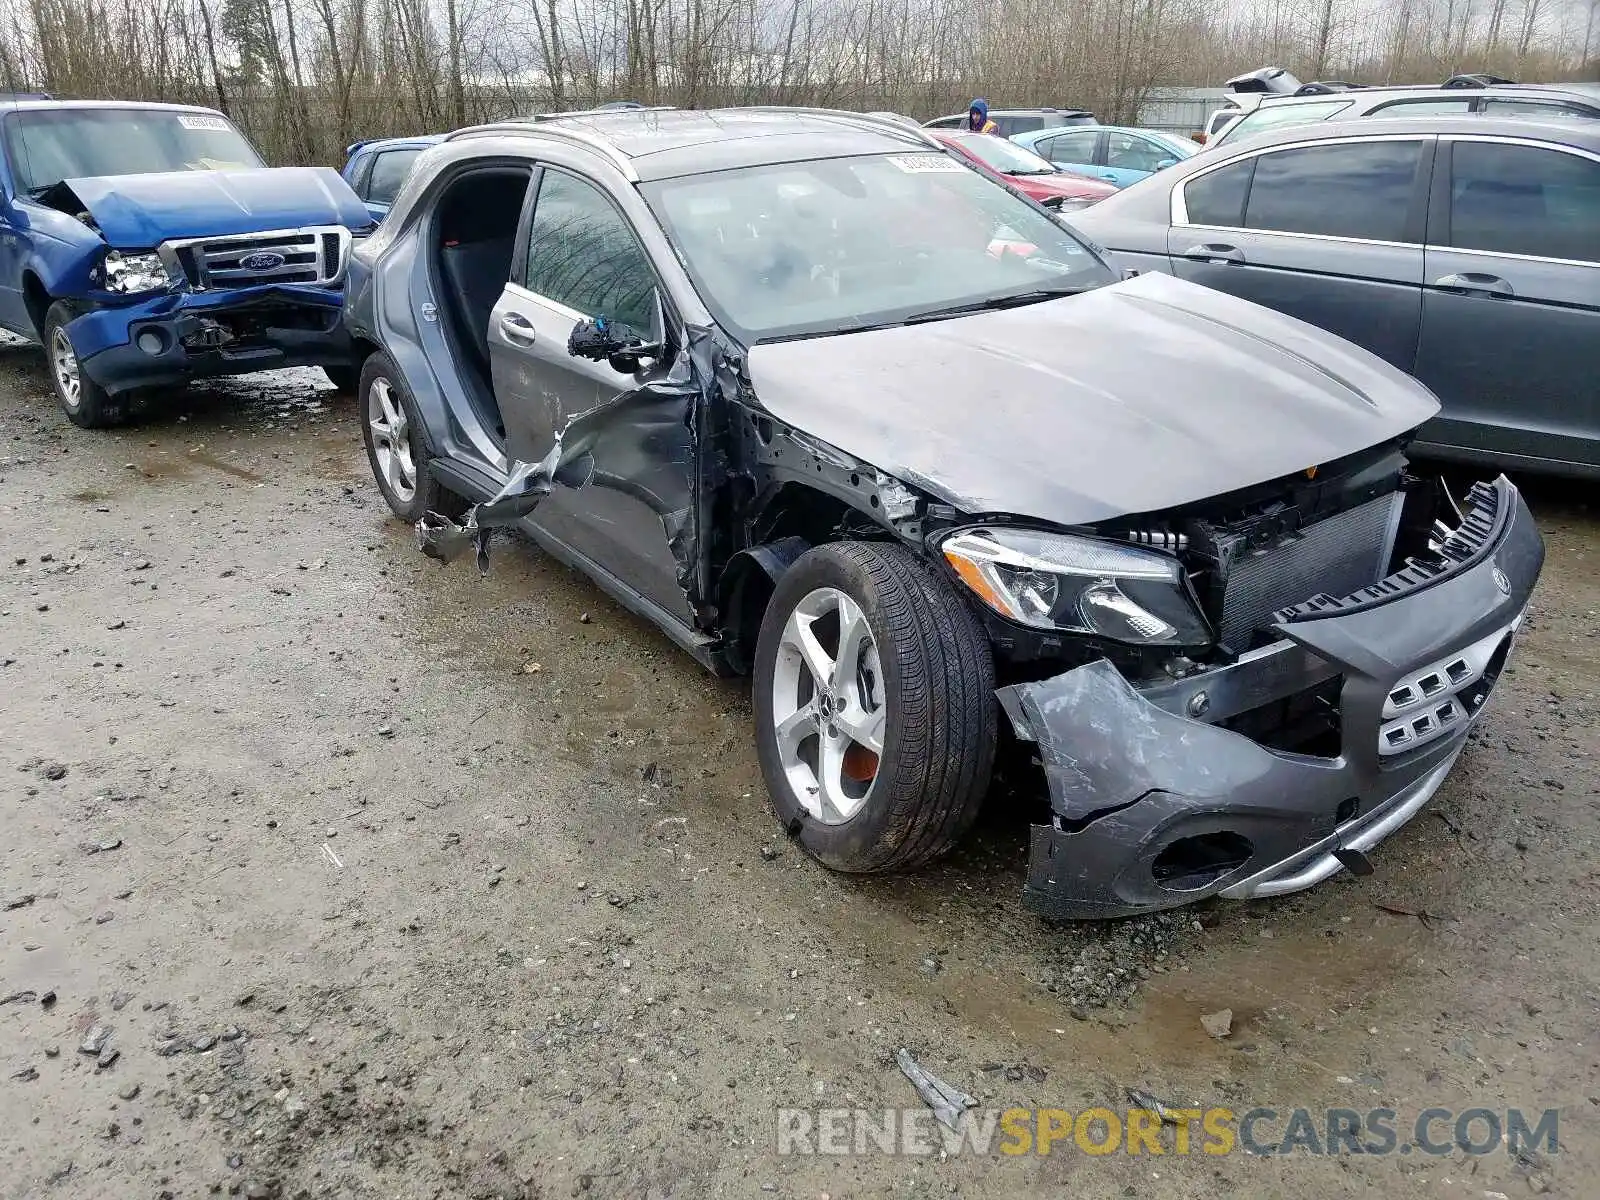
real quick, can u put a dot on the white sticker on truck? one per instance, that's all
(201, 121)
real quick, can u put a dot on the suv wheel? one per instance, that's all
(85, 402)
(875, 709)
(397, 445)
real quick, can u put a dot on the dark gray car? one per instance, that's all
(1463, 250)
(834, 410)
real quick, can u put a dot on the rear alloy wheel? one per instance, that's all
(875, 709)
(397, 445)
(86, 403)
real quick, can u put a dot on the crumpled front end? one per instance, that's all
(219, 305)
(180, 335)
(1160, 794)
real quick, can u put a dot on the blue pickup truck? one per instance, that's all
(147, 244)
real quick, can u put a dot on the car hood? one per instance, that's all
(1132, 398)
(138, 212)
(1068, 184)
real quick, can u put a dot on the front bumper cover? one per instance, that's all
(291, 325)
(1132, 772)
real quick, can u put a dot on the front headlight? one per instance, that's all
(132, 273)
(1077, 585)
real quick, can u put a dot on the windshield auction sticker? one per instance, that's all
(201, 121)
(918, 164)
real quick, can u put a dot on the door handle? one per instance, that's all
(1215, 252)
(1475, 282)
(517, 329)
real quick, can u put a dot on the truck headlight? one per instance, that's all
(1077, 584)
(129, 274)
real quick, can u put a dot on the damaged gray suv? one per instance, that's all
(835, 411)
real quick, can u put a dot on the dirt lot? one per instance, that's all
(389, 880)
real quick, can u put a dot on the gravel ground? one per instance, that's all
(330, 872)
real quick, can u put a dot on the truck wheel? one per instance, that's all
(86, 403)
(345, 379)
(875, 708)
(397, 445)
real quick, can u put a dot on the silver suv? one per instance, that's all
(1268, 112)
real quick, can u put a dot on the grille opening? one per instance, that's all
(1347, 810)
(1199, 861)
(1307, 722)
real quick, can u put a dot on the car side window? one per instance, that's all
(1128, 153)
(1010, 126)
(389, 171)
(1417, 108)
(1531, 108)
(583, 254)
(945, 123)
(1283, 116)
(1351, 190)
(1514, 199)
(1217, 197)
(1069, 147)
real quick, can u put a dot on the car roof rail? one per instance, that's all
(550, 131)
(611, 109)
(865, 120)
(1475, 81)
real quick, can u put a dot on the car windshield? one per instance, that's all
(1006, 157)
(839, 244)
(49, 145)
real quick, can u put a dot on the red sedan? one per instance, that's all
(1036, 177)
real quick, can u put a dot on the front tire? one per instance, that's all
(86, 403)
(398, 449)
(874, 706)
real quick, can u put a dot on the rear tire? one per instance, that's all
(917, 683)
(398, 448)
(86, 403)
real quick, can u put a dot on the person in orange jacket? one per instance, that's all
(978, 118)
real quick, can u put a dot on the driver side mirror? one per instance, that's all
(601, 339)
(1165, 163)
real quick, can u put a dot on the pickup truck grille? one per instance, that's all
(316, 255)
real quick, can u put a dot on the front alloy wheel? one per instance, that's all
(86, 403)
(874, 706)
(828, 705)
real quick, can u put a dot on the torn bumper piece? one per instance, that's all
(1155, 807)
(181, 335)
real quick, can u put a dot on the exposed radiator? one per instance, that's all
(1336, 555)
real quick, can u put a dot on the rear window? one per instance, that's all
(389, 171)
(1010, 126)
(1283, 116)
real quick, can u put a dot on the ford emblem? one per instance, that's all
(1500, 581)
(261, 260)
